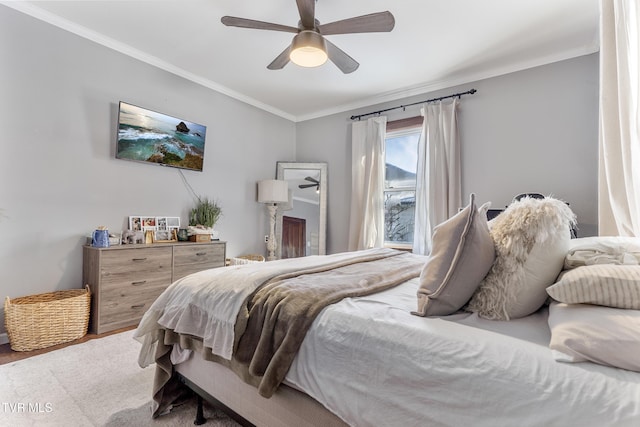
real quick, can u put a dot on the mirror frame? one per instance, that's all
(322, 231)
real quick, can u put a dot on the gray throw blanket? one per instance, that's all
(281, 311)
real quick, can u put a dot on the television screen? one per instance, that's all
(150, 137)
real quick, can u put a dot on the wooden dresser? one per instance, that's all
(125, 280)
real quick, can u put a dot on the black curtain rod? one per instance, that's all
(469, 92)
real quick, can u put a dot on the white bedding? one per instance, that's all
(206, 304)
(372, 363)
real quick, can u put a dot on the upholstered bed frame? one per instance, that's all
(226, 391)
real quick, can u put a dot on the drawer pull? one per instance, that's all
(139, 259)
(201, 253)
(137, 306)
(138, 283)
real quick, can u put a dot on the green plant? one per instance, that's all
(206, 212)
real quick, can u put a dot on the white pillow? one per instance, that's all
(629, 243)
(602, 284)
(603, 250)
(604, 335)
(531, 238)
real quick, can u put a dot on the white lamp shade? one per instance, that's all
(273, 191)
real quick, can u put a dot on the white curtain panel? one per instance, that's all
(366, 224)
(438, 186)
(619, 172)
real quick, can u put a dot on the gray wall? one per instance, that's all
(531, 131)
(59, 178)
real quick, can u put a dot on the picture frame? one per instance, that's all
(161, 223)
(167, 223)
(135, 223)
(158, 229)
(149, 223)
(162, 235)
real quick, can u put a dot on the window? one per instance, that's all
(401, 152)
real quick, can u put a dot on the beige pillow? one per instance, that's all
(604, 335)
(461, 256)
(531, 238)
(601, 284)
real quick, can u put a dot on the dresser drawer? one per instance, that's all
(149, 266)
(194, 258)
(127, 304)
(133, 260)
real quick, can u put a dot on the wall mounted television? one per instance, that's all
(151, 137)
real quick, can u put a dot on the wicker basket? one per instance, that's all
(245, 259)
(43, 320)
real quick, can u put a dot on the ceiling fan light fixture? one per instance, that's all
(308, 49)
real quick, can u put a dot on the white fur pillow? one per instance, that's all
(531, 238)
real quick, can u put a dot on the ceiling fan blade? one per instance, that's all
(309, 178)
(281, 60)
(343, 61)
(307, 185)
(307, 11)
(232, 21)
(373, 23)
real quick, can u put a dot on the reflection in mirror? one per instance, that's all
(301, 223)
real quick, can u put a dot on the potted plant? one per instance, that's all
(202, 219)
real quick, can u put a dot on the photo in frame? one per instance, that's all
(135, 223)
(156, 228)
(164, 223)
(162, 235)
(173, 222)
(149, 222)
(161, 223)
(167, 228)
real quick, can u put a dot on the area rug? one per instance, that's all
(96, 383)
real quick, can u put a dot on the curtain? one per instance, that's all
(366, 224)
(438, 177)
(619, 138)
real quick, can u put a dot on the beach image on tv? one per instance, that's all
(147, 136)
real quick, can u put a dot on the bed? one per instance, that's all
(367, 356)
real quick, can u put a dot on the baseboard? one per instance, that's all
(4, 338)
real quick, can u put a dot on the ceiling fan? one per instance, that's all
(309, 47)
(315, 182)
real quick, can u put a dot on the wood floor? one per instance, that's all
(7, 355)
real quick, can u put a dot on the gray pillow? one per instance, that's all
(461, 256)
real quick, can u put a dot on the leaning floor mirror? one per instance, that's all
(301, 223)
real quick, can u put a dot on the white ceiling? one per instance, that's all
(435, 44)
